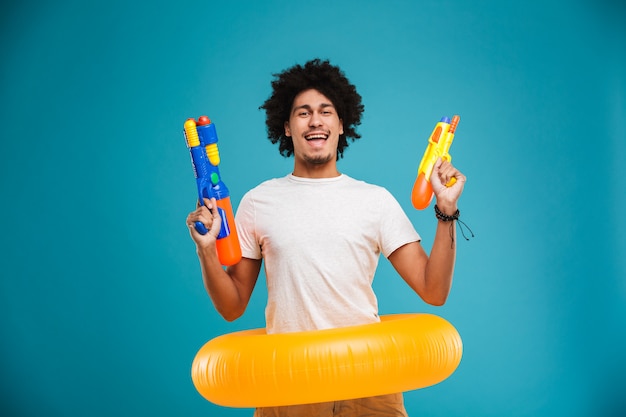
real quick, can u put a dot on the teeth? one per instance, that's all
(320, 136)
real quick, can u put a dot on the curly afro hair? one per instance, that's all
(323, 77)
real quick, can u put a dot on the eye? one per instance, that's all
(303, 113)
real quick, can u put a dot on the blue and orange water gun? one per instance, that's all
(201, 138)
(439, 144)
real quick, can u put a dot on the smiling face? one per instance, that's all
(314, 127)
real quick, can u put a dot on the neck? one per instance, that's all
(316, 171)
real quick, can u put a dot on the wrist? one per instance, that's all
(446, 216)
(450, 218)
(206, 249)
(448, 209)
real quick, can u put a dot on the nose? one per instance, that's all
(315, 119)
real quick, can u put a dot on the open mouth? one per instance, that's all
(316, 136)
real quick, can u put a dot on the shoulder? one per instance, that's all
(268, 184)
(364, 186)
(265, 190)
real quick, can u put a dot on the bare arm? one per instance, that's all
(431, 276)
(230, 289)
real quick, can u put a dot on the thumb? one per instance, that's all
(435, 180)
(216, 225)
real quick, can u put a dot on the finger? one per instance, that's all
(450, 171)
(216, 220)
(447, 173)
(190, 220)
(438, 163)
(202, 214)
(435, 180)
(211, 205)
(460, 177)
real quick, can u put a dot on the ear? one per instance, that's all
(287, 130)
(340, 126)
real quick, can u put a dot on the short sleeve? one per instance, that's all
(396, 229)
(246, 228)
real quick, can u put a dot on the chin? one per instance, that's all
(319, 160)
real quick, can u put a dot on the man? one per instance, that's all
(320, 232)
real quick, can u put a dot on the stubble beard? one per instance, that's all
(318, 160)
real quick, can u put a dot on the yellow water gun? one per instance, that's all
(438, 146)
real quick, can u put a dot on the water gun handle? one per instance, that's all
(202, 140)
(201, 228)
(439, 144)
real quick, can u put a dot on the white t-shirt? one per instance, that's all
(320, 240)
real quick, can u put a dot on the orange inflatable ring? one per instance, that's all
(253, 369)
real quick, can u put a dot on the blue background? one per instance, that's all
(102, 307)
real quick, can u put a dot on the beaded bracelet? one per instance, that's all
(447, 218)
(444, 217)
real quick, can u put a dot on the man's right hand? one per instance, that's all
(208, 215)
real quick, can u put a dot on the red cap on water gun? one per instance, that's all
(203, 121)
